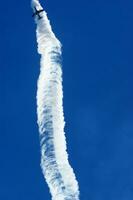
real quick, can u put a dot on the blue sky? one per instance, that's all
(97, 38)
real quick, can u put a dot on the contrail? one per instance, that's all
(54, 159)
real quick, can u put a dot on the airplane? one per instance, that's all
(36, 13)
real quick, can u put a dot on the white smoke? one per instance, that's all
(54, 159)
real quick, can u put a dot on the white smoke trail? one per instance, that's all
(54, 159)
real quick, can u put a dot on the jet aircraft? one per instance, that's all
(37, 12)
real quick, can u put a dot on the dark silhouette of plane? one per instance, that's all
(36, 13)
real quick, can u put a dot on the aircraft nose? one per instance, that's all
(35, 4)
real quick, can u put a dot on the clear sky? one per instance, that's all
(97, 38)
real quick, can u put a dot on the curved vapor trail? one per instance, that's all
(54, 159)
